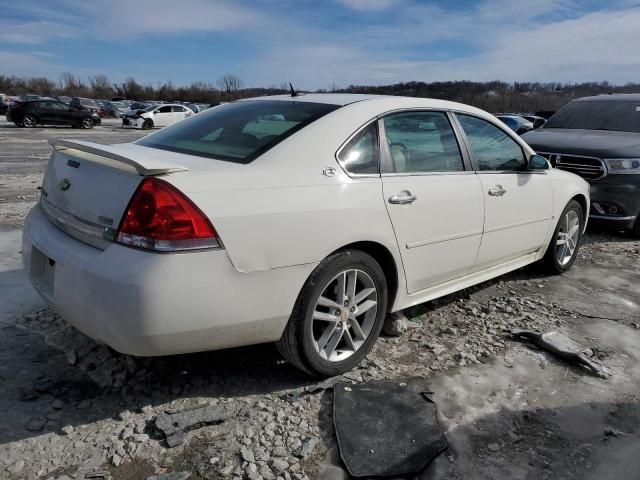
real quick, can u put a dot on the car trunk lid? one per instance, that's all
(87, 187)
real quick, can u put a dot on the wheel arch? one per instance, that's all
(582, 200)
(385, 258)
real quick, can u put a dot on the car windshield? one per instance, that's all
(238, 132)
(616, 115)
(150, 108)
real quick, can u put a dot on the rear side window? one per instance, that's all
(492, 148)
(238, 132)
(422, 142)
(360, 155)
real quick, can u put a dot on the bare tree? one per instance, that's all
(229, 83)
(71, 85)
(100, 86)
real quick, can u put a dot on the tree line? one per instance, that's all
(494, 96)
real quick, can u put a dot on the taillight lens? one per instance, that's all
(159, 217)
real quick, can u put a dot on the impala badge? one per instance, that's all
(64, 184)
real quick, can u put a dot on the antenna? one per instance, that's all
(293, 92)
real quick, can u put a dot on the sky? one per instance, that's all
(323, 43)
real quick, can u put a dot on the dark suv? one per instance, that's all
(31, 113)
(598, 138)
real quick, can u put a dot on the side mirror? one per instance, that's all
(537, 162)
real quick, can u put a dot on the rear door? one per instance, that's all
(518, 203)
(180, 113)
(433, 197)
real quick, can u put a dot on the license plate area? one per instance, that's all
(42, 271)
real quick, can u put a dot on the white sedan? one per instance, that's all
(156, 116)
(299, 220)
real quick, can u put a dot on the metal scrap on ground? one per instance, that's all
(175, 425)
(564, 347)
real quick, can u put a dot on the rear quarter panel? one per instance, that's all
(281, 210)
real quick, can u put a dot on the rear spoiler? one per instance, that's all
(158, 167)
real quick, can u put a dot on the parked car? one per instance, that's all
(516, 123)
(31, 113)
(87, 104)
(156, 116)
(536, 120)
(108, 108)
(598, 138)
(305, 231)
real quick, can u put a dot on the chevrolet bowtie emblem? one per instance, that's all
(64, 184)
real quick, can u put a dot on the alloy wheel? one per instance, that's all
(29, 121)
(344, 315)
(568, 237)
(87, 123)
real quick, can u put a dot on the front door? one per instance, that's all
(518, 203)
(433, 197)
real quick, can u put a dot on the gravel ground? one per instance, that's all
(79, 410)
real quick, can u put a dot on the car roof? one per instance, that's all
(385, 102)
(627, 97)
(327, 98)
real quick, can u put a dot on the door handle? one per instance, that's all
(497, 191)
(403, 199)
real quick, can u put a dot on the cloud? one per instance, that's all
(364, 5)
(119, 19)
(316, 44)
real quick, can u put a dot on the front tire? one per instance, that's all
(29, 121)
(147, 124)
(338, 315)
(563, 248)
(88, 123)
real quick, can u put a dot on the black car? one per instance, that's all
(598, 138)
(31, 113)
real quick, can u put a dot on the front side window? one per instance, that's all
(238, 132)
(492, 147)
(360, 156)
(422, 142)
(165, 109)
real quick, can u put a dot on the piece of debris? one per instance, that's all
(175, 425)
(563, 346)
(171, 476)
(612, 432)
(97, 474)
(397, 323)
(386, 428)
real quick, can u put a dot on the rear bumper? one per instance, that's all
(615, 201)
(148, 304)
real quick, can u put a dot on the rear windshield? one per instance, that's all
(238, 132)
(617, 115)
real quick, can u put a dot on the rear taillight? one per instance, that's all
(159, 217)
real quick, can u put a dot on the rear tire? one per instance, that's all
(635, 231)
(320, 346)
(563, 247)
(29, 121)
